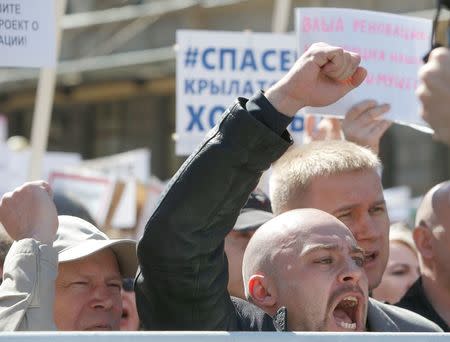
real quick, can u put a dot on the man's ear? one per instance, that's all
(422, 238)
(263, 293)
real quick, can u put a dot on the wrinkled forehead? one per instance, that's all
(337, 235)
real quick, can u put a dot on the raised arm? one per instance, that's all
(183, 280)
(27, 292)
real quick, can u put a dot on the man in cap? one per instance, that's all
(254, 214)
(61, 273)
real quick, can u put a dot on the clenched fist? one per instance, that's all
(320, 77)
(29, 212)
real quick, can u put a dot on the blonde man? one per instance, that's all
(343, 179)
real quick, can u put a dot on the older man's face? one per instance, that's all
(88, 293)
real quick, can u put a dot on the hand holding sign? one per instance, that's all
(434, 91)
(29, 212)
(363, 126)
(321, 76)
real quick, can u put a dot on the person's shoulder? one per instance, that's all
(250, 317)
(406, 320)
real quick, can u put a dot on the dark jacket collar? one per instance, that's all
(280, 319)
(416, 300)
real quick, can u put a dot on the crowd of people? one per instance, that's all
(320, 255)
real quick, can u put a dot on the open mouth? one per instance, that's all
(346, 313)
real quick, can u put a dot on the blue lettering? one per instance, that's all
(232, 53)
(285, 61)
(195, 118)
(189, 86)
(204, 58)
(265, 55)
(248, 60)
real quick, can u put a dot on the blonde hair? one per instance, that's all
(400, 232)
(293, 172)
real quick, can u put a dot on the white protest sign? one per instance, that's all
(27, 33)
(17, 164)
(124, 216)
(3, 128)
(131, 164)
(95, 192)
(214, 68)
(391, 48)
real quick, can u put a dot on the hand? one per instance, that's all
(29, 212)
(327, 129)
(434, 93)
(363, 126)
(321, 76)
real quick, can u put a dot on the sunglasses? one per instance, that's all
(128, 284)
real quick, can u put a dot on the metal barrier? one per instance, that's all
(220, 337)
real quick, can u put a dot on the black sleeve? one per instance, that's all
(262, 110)
(182, 283)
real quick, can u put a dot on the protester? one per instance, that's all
(308, 263)
(402, 268)
(430, 294)
(255, 213)
(182, 284)
(60, 272)
(433, 92)
(342, 179)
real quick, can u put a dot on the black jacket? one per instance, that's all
(182, 284)
(416, 300)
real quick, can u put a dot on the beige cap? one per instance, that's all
(77, 239)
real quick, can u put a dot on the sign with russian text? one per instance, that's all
(391, 49)
(214, 68)
(27, 33)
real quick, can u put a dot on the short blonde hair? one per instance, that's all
(293, 172)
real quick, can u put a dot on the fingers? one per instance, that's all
(341, 64)
(358, 77)
(360, 108)
(380, 127)
(365, 112)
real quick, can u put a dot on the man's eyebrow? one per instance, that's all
(351, 206)
(331, 246)
(320, 246)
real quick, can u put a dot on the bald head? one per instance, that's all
(284, 236)
(435, 207)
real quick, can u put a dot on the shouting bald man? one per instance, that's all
(430, 295)
(307, 262)
(182, 284)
